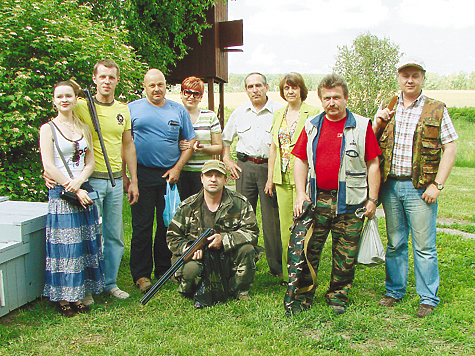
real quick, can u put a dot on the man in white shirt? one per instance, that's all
(252, 123)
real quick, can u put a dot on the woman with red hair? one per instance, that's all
(208, 136)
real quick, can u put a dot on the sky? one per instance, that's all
(303, 36)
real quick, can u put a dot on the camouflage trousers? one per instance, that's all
(243, 262)
(346, 231)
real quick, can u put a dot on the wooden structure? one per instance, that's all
(22, 252)
(208, 60)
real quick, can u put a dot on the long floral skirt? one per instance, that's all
(74, 258)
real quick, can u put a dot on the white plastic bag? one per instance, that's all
(172, 200)
(371, 250)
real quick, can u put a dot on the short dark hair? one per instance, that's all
(109, 63)
(296, 80)
(262, 75)
(332, 80)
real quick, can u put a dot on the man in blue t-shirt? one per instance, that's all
(157, 126)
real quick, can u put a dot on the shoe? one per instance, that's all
(283, 283)
(424, 310)
(80, 308)
(338, 309)
(243, 296)
(143, 284)
(294, 310)
(198, 305)
(117, 293)
(87, 301)
(387, 301)
(66, 310)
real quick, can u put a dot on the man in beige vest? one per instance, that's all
(417, 140)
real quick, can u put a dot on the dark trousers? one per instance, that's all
(152, 189)
(189, 184)
(251, 184)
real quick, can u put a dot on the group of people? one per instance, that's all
(338, 160)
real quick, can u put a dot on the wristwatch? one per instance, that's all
(375, 201)
(439, 186)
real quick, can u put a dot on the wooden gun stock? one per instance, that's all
(200, 242)
(97, 126)
(383, 122)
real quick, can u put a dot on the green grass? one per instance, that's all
(169, 325)
(457, 201)
(465, 143)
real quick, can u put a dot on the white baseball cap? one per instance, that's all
(411, 62)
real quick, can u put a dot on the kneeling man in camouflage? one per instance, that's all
(236, 233)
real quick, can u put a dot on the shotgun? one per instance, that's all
(383, 122)
(200, 242)
(97, 126)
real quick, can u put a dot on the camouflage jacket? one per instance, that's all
(235, 220)
(427, 148)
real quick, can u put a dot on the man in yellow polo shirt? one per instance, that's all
(114, 119)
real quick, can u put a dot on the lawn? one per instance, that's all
(169, 325)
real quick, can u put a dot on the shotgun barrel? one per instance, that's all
(97, 127)
(200, 242)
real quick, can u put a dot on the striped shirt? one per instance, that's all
(406, 122)
(206, 124)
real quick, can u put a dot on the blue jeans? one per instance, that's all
(405, 209)
(109, 205)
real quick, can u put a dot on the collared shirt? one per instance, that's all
(252, 128)
(406, 122)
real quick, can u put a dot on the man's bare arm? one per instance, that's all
(445, 167)
(129, 155)
(173, 174)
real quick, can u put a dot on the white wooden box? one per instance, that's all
(22, 253)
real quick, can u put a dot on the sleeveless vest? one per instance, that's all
(352, 175)
(427, 147)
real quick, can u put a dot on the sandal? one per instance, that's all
(80, 308)
(66, 310)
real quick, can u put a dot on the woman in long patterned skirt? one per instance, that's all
(74, 259)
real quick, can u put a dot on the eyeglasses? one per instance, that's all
(195, 94)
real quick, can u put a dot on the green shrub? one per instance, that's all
(43, 43)
(466, 113)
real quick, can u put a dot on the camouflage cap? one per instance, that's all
(214, 165)
(411, 62)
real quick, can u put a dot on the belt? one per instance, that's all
(332, 192)
(399, 177)
(244, 157)
(257, 160)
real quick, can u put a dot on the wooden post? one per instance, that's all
(221, 105)
(211, 94)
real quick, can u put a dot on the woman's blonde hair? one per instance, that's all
(84, 128)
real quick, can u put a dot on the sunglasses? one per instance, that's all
(195, 94)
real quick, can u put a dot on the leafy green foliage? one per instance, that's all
(157, 29)
(369, 67)
(467, 114)
(44, 42)
(455, 81)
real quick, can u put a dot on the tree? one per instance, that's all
(44, 42)
(369, 67)
(157, 29)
